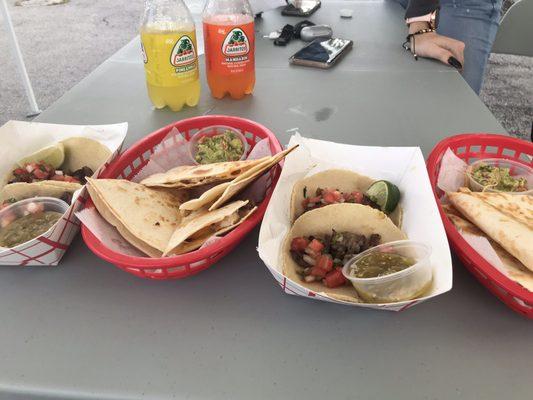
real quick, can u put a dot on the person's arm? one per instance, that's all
(431, 44)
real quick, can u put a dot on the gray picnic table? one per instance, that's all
(87, 330)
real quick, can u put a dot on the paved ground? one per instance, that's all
(63, 43)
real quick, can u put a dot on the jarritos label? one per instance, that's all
(183, 55)
(236, 46)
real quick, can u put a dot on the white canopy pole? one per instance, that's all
(18, 59)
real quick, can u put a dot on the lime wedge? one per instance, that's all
(53, 155)
(385, 194)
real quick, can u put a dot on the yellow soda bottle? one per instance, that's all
(168, 43)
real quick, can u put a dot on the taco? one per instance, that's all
(322, 240)
(145, 217)
(19, 191)
(335, 186)
(57, 170)
(188, 176)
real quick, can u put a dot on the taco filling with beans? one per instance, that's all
(320, 259)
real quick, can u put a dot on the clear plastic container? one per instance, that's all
(30, 206)
(407, 284)
(517, 170)
(211, 131)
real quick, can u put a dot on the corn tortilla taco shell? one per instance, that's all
(343, 180)
(346, 217)
(83, 152)
(188, 176)
(242, 181)
(512, 267)
(513, 235)
(150, 216)
(22, 190)
(204, 222)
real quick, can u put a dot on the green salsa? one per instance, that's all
(498, 178)
(380, 264)
(27, 227)
(219, 148)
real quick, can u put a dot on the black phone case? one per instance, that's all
(323, 65)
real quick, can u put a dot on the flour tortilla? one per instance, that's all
(207, 198)
(345, 181)
(204, 222)
(512, 268)
(83, 152)
(517, 206)
(194, 244)
(145, 217)
(508, 232)
(22, 190)
(188, 176)
(242, 181)
(354, 218)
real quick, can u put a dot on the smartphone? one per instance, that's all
(301, 8)
(322, 53)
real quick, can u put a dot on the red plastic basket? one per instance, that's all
(471, 147)
(135, 158)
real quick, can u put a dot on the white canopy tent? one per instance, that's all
(12, 37)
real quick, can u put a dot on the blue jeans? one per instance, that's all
(474, 22)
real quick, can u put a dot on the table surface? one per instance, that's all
(86, 330)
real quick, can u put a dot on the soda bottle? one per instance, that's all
(229, 47)
(168, 43)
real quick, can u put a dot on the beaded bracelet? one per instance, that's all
(407, 44)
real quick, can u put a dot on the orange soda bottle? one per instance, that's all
(229, 43)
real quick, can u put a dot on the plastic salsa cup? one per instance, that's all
(406, 284)
(516, 170)
(29, 206)
(211, 131)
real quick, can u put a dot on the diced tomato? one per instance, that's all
(330, 197)
(305, 202)
(334, 279)
(318, 272)
(315, 199)
(58, 178)
(299, 244)
(40, 174)
(316, 246)
(324, 262)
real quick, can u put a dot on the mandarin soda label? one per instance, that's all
(236, 46)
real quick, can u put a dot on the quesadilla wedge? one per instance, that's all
(203, 222)
(512, 268)
(333, 234)
(194, 244)
(145, 217)
(339, 184)
(513, 235)
(242, 181)
(517, 206)
(188, 176)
